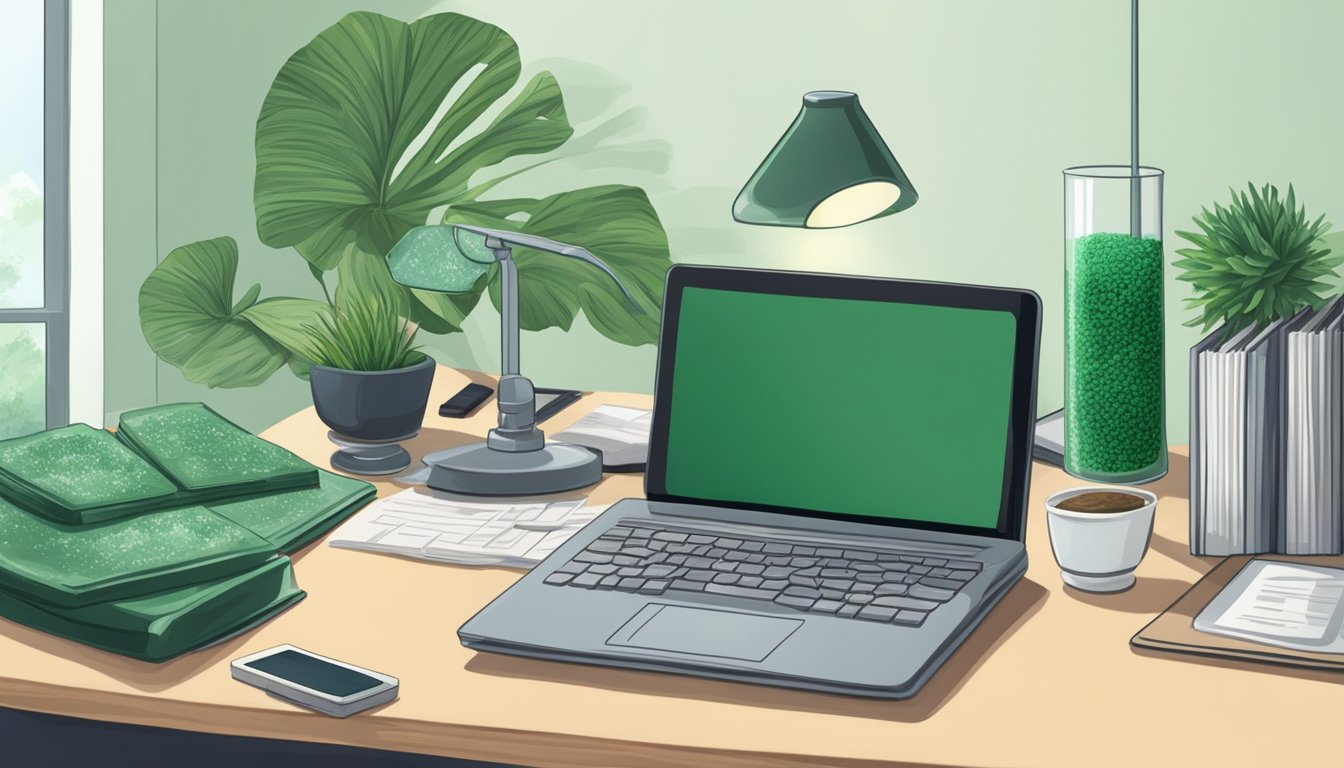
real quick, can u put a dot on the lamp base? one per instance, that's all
(478, 470)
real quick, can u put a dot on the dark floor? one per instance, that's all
(31, 740)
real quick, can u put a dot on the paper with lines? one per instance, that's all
(1284, 604)
(433, 525)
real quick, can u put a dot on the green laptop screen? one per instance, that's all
(845, 406)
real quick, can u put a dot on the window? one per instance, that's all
(34, 239)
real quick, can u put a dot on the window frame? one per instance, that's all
(54, 313)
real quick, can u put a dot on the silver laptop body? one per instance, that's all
(754, 592)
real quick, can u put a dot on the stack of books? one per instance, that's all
(1266, 415)
(167, 536)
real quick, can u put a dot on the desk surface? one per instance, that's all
(1047, 680)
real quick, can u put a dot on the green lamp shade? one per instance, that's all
(439, 258)
(830, 169)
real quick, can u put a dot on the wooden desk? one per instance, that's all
(1047, 680)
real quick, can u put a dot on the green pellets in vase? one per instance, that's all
(1114, 415)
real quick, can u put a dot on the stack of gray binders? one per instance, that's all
(1265, 423)
(1312, 393)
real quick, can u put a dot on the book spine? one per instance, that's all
(1196, 454)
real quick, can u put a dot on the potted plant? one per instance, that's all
(1256, 261)
(370, 384)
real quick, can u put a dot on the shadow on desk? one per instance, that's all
(1148, 595)
(1272, 670)
(431, 439)
(1176, 483)
(142, 675)
(1023, 601)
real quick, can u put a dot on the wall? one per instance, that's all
(983, 103)
(130, 200)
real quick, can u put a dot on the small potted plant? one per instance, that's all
(370, 383)
(1256, 261)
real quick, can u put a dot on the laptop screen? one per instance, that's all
(862, 407)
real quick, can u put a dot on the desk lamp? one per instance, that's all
(830, 169)
(515, 459)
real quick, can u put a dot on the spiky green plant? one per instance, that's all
(364, 335)
(1256, 260)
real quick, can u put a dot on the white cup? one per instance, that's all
(1098, 551)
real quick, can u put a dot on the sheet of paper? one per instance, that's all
(550, 517)
(622, 434)
(428, 524)
(1286, 604)
(1288, 601)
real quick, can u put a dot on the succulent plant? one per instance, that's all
(1256, 260)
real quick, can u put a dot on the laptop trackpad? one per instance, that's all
(704, 632)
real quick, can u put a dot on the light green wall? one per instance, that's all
(130, 237)
(983, 102)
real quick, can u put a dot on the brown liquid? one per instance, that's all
(1102, 502)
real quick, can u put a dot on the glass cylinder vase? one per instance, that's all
(1114, 416)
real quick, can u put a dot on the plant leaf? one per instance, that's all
(190, 320)
(1257, 260)
(444, 312)
(365, 274)
(287, 322)
(339, 158)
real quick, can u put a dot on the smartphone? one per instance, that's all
(316, 682)
(463, 403)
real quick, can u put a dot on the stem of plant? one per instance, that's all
(321, 279)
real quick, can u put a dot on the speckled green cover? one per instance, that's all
(70, 566)
(78, 474)
(162, 457)
(292, 519)
(209, 456)
(161, 626)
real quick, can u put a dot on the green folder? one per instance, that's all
(78, 474)
(69, 566)
(161, 626)
(292, 519)
(210, 457)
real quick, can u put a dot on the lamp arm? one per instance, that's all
(497, 239)
(585, 256)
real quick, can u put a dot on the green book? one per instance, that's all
(291, 520)
(70, 566)
(162, 457)
(78, 474)
(210, 457)
(161, 626)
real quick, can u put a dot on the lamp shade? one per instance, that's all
(438, 257)
(830, 169)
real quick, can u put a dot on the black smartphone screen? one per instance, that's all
(463, 403)
(302, 669)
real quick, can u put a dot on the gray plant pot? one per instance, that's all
(370, 412)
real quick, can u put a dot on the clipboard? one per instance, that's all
(1173, 631)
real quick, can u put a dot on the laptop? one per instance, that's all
(836, 489)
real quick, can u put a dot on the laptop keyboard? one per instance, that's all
(649, 559)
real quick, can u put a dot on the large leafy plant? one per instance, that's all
(1257, 260)
(375, 127)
